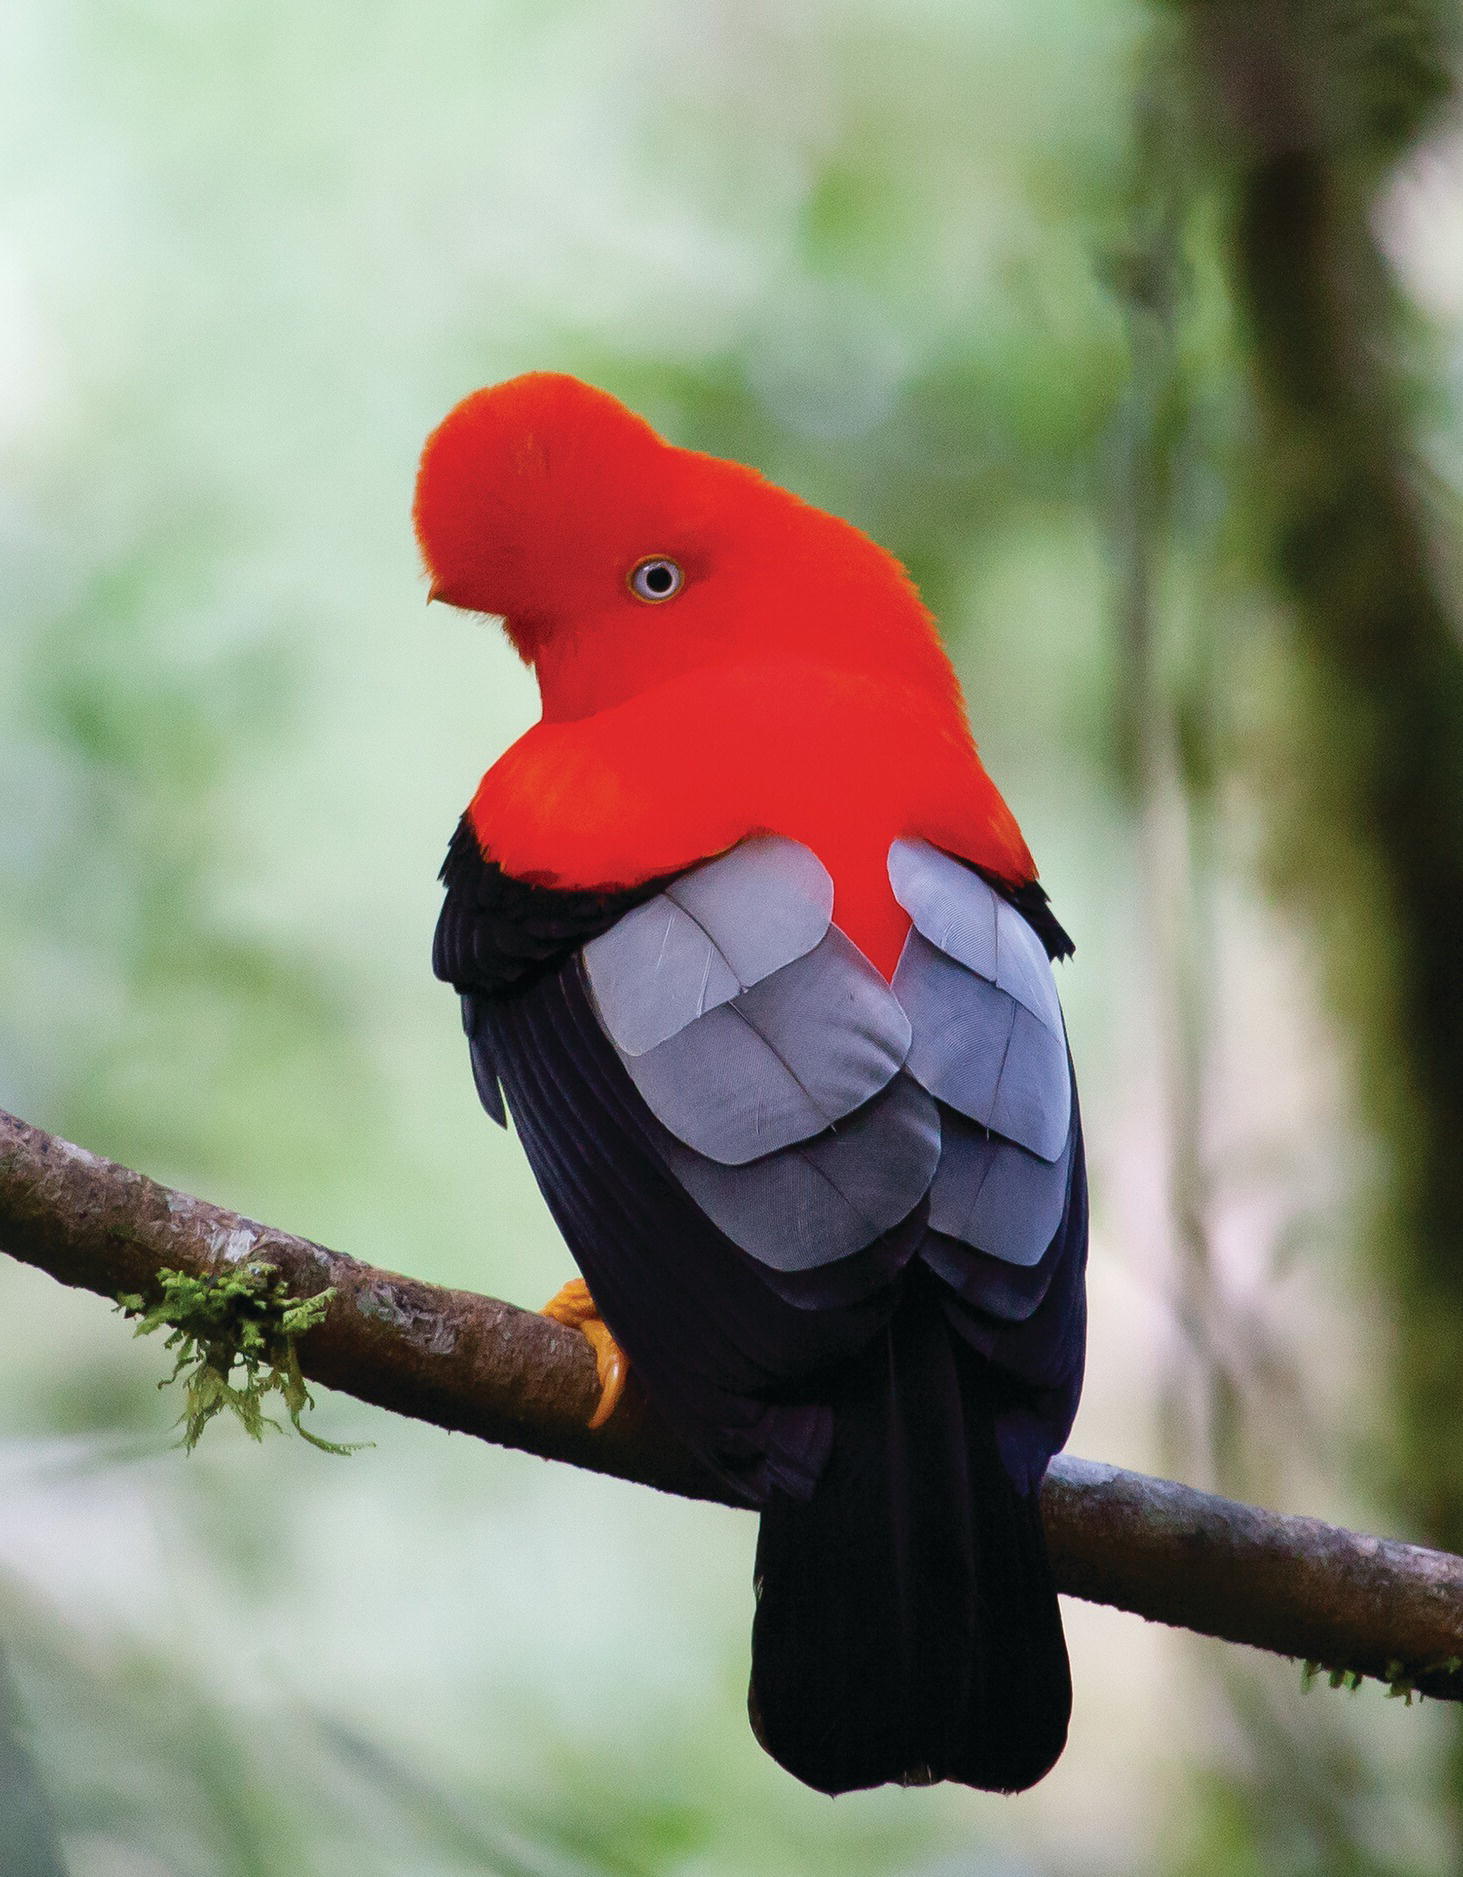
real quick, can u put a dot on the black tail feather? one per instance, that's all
(907, 1626)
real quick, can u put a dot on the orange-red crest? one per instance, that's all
(538, 498)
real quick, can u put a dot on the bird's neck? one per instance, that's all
(842, 763)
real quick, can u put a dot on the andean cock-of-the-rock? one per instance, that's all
(753, 953)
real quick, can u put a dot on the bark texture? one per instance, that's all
(475, 1365)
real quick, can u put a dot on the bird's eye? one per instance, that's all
(656, 579)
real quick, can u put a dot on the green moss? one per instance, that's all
(1400, 1679)
(242, 1320)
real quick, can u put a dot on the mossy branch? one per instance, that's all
(243, 1319)
(1358, 1605)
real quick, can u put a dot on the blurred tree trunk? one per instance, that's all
(1378, 852)
(1316, 103)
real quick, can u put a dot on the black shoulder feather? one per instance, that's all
(1030, 900)
(498, 934)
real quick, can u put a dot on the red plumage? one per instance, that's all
(795, 686)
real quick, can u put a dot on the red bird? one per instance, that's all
(756, 955)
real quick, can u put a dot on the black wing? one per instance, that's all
(838, 1227)
(760, 1112)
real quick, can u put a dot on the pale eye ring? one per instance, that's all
(656, 578)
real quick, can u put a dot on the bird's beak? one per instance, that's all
(434, 592)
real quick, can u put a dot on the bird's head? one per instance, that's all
(616, 560)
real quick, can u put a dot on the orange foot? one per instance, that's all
(574, 1305)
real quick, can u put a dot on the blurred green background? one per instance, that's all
(1138, 334)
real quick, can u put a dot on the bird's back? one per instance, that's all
(837, 1220)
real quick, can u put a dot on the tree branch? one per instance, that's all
(1295, 1586)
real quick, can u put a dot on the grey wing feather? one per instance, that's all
(932, 889)
(780, 1062)
(706, 938)
(979, 1050)
(810, 1106)
(826, 1198)
(963, 916)
(770, 1049)
(1023, 969)
(990, 1045)
(1008, 1292)
(991, 1194)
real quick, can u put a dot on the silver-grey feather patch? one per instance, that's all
(826, 1198)
(780, 1062)
(981, 1051)
(705, 939)
(995, 1196)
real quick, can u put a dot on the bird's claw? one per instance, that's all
(572, 1305)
